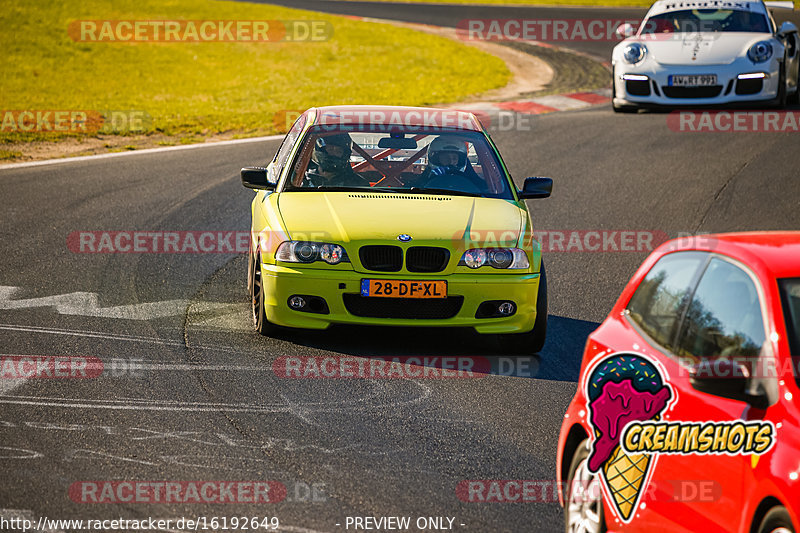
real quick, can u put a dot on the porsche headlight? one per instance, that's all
(503, 258)
(760, 52)
(308, 252)
(634, 53)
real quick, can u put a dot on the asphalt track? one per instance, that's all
(204, 403)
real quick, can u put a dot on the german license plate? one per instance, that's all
(398, 288)
(692, 80)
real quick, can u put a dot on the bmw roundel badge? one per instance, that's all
(404, 237)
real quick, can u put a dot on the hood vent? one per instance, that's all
(401, 196)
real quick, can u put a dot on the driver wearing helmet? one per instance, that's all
(447, 156)
(330, 163)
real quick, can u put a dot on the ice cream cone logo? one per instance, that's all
(623, 388)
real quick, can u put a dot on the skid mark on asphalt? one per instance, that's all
(228, 317)
(89, 334)
(422, 393)
(113, 337)
(224, 447)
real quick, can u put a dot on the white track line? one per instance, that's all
(139, 152)
(113, 337)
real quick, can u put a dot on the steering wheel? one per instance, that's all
(456, 181)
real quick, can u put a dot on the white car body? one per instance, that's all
(695, 55)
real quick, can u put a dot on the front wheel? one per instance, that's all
(781, 100)
(533, 340)
(257, 298)
(583, 498)
(795, 98)
(777, 520)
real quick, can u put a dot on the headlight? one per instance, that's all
(634, 53)
(495, 257)
(308, 252)
(760, 52)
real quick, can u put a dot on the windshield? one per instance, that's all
(405, 160)
(705, 20)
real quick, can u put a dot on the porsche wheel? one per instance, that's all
(795, 98)
(583, 499)
(532, 341)
(777, 520)
(781, 100)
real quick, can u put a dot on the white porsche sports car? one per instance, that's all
(708, 52)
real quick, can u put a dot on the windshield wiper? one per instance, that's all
(434, 190)
(339, 188)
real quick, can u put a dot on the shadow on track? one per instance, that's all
(559, 361)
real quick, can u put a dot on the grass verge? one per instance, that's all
(200, 89)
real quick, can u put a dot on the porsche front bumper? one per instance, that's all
(648, 84)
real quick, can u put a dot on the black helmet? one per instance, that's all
(447, 144)
(328, 162)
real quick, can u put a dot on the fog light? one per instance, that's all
(505, 308)
(297, 302)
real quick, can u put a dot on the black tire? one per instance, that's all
(623, 108)
(795, 98)
(257, 310)
(781, 100)
(777, 520)
(591, 510)
(533, 340)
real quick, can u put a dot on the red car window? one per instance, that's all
(657, 304)
(724, 317)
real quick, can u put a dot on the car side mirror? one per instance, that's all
(256, 178)
(727, 379)
(625, 30)
(536, 188)
(786, 28)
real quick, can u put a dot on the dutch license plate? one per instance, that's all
(692, 80)
(398, 288)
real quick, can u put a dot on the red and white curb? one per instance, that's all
(542, 104)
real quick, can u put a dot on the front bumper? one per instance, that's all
(281, 282)
(656, 91)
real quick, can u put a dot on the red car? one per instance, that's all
(687, 414)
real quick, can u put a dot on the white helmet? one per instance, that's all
(447, 144)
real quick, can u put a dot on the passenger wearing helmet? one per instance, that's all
(330, 163)
(448, 166)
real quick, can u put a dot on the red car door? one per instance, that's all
(722, 319)
(694, 307)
